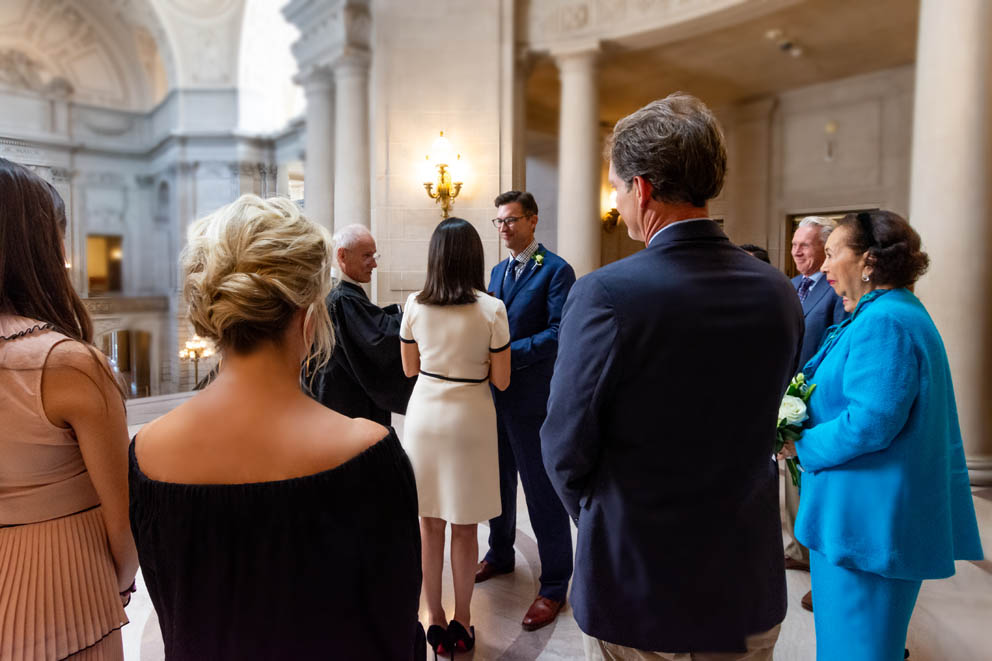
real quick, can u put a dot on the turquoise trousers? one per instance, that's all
(859, 616)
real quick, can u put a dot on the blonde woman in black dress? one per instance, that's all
(269, 526)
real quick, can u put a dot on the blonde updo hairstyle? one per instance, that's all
(249, 267)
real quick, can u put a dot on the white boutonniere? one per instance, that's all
(538, 259)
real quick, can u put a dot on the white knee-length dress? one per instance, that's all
(450, 427)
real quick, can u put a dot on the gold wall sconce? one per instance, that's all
(441, 159)
(612, 217)
(830, 130)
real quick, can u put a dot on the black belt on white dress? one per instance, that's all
(453, 378)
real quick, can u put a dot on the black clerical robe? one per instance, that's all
(364, 378)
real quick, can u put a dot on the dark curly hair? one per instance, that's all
(891, 244)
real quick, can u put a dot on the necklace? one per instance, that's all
(27, 331)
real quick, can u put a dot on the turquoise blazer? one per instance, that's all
(886, 487)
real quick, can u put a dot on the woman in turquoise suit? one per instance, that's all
(885, 495)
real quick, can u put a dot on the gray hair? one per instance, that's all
(675, 144)
(823, 225)
(349, 235)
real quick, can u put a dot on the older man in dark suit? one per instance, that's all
(822, 308)
(660, 430)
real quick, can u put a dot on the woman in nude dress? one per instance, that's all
(67, 559)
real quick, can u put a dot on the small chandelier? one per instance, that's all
(441, 158)
(196, 349)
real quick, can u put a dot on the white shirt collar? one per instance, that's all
(677, 222)
(341, 275)
(527, 252)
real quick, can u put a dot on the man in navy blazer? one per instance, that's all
(660, 426)
(822, 308)
(533, 283)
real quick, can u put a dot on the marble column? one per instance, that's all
(579, 161)
(352, 191)
(951, 203)
(318, 172)
(282, 180)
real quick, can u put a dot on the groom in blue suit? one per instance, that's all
(533, 283)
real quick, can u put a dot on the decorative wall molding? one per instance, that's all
(61, 47)
(126, 305)
(550, 22)
(20, 70)
(22, 152)
(63, 175)
(332, 33)
(105, 123)
(203, 9)
(142, 15)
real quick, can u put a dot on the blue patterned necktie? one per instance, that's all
(511, 276)
(804, 287)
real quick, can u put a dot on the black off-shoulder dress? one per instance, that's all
(325, 566)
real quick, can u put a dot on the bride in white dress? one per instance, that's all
(456, 337)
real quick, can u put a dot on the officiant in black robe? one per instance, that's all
(364, 377)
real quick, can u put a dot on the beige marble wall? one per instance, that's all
(436, 67)
(784, 159)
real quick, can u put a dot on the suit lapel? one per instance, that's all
(814, 296)
(501, 279)
(529, 269)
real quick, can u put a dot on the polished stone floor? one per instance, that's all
(952, 620)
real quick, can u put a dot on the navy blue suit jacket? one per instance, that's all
(659, 440)
(533, 309)
(823, 308)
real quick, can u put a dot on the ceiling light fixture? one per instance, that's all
(784, 44)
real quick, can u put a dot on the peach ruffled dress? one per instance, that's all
(58, 586)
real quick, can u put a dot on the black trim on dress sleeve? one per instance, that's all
(502, 348)
(406, 341)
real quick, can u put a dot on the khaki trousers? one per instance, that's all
(759, 648)
(793, 549)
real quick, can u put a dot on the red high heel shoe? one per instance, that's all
(437, 638)
(459, 639)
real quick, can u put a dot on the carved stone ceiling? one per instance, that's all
(839, 38)
(82, 49)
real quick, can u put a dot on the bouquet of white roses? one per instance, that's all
(791, 416)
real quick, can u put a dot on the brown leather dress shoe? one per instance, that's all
(807, 601)
(541, 613)
(792, 563)
(487, 571)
